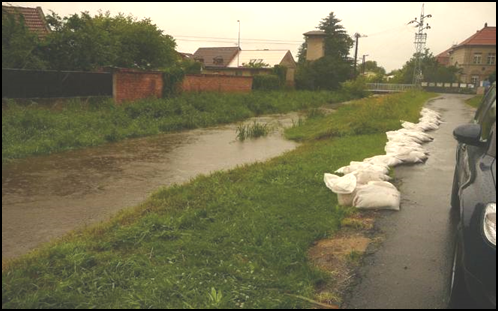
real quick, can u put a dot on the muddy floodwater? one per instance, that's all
(46, 197)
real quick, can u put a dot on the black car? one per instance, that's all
(474, 202)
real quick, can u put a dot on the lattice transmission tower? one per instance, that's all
(420, 41)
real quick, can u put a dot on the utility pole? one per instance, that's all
(363, 64)
(357, 36)
(420, 41)
(238, 44)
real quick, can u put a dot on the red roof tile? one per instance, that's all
(485, 36)
(33, 18)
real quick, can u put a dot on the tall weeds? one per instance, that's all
(34, 129)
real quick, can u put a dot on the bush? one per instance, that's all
(266, 83)
(172, 80)
(357, 88)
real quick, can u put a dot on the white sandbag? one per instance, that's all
(411, 156)
(395, 148)
(383, 160)
(346, 199)
(428, 112)
(377, 195)
(363, 177)
(427, 126)
(407, 136)
(343, 185)
(416, 134)
(408, 125)
(356, 166)
(430, 119)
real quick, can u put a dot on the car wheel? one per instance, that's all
(459, 296)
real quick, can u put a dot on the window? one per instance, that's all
(477, 58)
(491, 58)
(475, 80)
(487, 123)
(485, 105)
(218, 60)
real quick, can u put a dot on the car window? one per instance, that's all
(489, 118)
(483, 108)
(492, 145)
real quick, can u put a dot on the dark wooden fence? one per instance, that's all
(18, 83)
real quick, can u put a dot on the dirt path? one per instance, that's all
(412, 268)
(46, 197)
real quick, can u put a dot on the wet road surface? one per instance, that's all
(46, 197)
(411, 270)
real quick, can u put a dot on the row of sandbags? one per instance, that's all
(365, 185)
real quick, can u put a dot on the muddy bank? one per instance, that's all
(46, 197)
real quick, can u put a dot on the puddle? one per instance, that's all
(46, 197)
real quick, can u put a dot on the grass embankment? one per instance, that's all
(475, 101)
(32, 130)
(236, 239)
(366, 116)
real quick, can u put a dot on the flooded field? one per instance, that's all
(48, 196)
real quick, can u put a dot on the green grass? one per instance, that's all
(34, 130)
(236, 239)
(366, 116)
(254, 130)
(475, 101)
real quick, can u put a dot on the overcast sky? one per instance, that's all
(389, 41)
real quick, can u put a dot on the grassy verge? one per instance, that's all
(475, 101)
(31, 130)
(366, 116)
(236, 239)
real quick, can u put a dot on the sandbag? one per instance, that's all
(377, 195)
(363, 177)
(395, 148)
(383, 160)
(356, 166)
(343, 185)
(410, 156)
(416, 134)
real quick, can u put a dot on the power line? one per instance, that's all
(242, 41)
(246, 39)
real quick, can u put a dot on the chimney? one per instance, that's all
(315, 44)
(486, 25)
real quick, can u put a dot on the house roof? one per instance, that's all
(485, 36)
(186, 55)
(315, 33)
(225, 54)
(33, 18)
(445, 53)
(270, 57)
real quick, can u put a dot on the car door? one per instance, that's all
(468, 156)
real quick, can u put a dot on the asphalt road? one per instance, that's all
(411, 269)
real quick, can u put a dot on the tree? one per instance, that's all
(82, 42)
(492, 77)
(255, 64)
(431, 69)
(337, 42)
(371, 66)
(335, 66)
(19, 45)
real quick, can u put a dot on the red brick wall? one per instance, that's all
(217, 83)
(130, 85)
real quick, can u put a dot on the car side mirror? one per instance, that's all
(469, 134)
